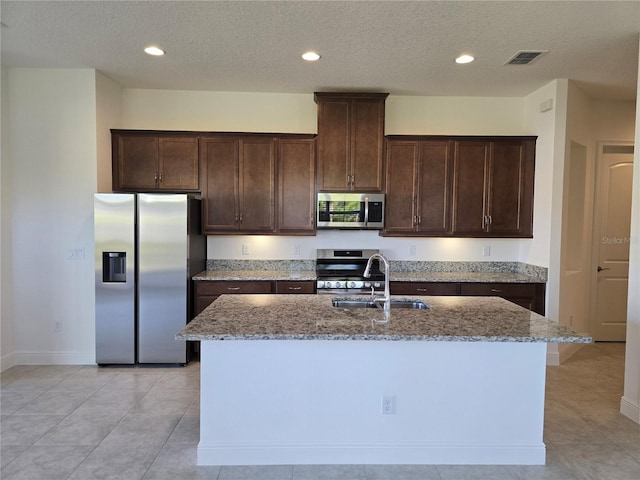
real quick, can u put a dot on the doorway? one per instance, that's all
(610, 275)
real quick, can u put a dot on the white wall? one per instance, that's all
(52, 134)
(218, 111)
(263, 112)
(630, 403)
(108, 116)
(454, 116)
(7, 344)
(579, 157)
(543, 124)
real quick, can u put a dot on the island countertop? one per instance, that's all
(312, 317)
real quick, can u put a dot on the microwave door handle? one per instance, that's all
(366, 211)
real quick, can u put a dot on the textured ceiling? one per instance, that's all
(401, 47)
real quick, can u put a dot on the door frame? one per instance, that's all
(595, 244)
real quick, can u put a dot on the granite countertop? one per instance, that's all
(312, 317)
(256, 275)
(481, 277)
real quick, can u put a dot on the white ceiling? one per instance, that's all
(401, 47)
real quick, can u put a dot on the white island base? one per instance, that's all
(266, 402)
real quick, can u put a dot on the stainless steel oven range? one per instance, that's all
(341, 271)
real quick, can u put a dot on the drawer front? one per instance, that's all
(286, 286)
(424, 288)
(230, 287)
(498, 289)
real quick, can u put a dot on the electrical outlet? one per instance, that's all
(296, 249)
(388, 405)
(245, 249)
(57, 326)
(486, 250)
(412, 250)
(75, 253)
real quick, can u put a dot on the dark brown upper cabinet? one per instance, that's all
(258, 183)
(296, 166)
(238, 189)
(147, 161)
(493, 187)
(350, 141)
(418, 187)
(459, 186)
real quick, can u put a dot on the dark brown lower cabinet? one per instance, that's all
(288, 286)
(424, 288)
(527, 295)
(207, 291)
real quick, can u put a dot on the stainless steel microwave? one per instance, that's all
(350, 210)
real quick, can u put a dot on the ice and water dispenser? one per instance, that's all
(114, 267)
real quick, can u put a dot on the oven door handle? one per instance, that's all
(366, 211)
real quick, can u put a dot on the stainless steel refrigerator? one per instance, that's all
(148, 246)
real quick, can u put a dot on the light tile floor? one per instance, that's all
(90, 423)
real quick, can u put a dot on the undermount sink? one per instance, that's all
(368, 303)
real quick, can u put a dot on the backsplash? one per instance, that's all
(540, 273)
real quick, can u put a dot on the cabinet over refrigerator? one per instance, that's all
(147, 248)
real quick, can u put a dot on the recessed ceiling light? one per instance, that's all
(154, 51)
(310, 56)
(465, 58)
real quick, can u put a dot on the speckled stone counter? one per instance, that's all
(492, 277)
(312, 317)
(256, 275)
(463, 277)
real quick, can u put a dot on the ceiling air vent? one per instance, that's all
(525, 57)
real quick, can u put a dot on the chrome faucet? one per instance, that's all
(367, 273)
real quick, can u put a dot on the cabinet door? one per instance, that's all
(178, 163)
(510, 194)
(367, 134)
(296, 186)
(434, 188)
(528, 295)
(292, 287)
(334, 163)
(136, 165)
(220, 184)
(256, 185)
(469, 180)
(425, 288)
(401, 172)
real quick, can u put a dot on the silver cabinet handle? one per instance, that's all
(421, 289)
(496, 290)
(295, 288)
(233, 288)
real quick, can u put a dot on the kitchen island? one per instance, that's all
(290, 379)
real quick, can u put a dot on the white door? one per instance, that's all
(615, 173)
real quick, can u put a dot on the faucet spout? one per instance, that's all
(367, 273)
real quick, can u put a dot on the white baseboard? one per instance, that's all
(630, 409)
(418, 454)
(55, 358)
(7, 361)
